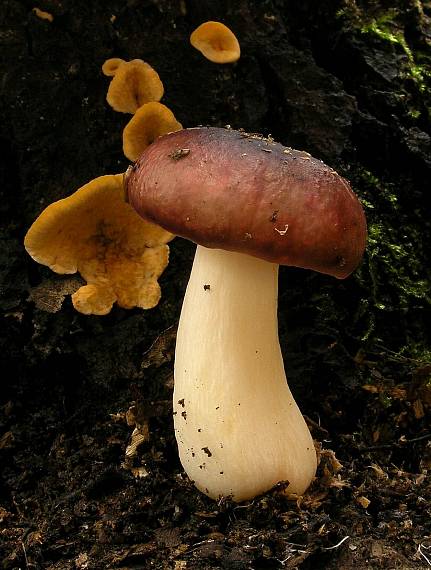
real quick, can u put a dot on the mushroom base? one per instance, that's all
(238, 428)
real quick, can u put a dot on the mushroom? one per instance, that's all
(133, 84)
(95, 232)
(149, 122)
(216, 42)
(250, 204)
(43, 15)
(109, 68)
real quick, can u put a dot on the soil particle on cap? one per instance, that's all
(207, 451)
(341, 262)
(179, 153)
(207, 287)
(181, 402)
(184, 415)
(282, 232)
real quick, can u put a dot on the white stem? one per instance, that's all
(238, 428)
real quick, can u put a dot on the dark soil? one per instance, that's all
(346, 81)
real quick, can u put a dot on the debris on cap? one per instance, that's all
(216, 42)
(96, 233)
(43, 15)
(133, 84)
(148, 123)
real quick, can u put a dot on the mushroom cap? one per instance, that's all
(216, 42)
(149, 122)
(109, 68)
(133, 84)
(95, 232)
(240, 192)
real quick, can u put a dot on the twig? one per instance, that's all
(315, 425)
(196, 545)
(293, 550)
(396, 445)
(424, 556)
(25, 554)
(244, 506)
(336, 545)
(396, 357)
(420, 438)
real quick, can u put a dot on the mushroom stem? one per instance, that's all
(238, 428)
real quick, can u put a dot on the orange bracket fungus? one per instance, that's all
(109, 68)
(43, 15)
(216, 42)
(94, 231)
(250, 204)
(147, 124)
(133, 84)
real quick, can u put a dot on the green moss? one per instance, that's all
(418, 354)
(379, 27)
(395, 274)
(385, 400)
(394, 257)
(391, 260)
(385, 29)
(387, 26)
(414, 113)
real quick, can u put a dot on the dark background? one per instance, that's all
(346, 81)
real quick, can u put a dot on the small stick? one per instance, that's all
(395, 444)
(336, 545)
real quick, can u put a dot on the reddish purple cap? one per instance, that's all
(240, 192)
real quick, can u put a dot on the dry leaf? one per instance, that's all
(50, 294)
(378, 470)
(363, 501)
(418, 409)
(371, 388)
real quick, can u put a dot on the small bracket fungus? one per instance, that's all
(238, 428)
(149, 122)
(43, 15)
(95, 232)
(133, 84)
(216, 42)
(109, 68)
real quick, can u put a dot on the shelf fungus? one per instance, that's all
(239, 430)
(96, 233)
(148, 123)
(133, 84)
(216, 42)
